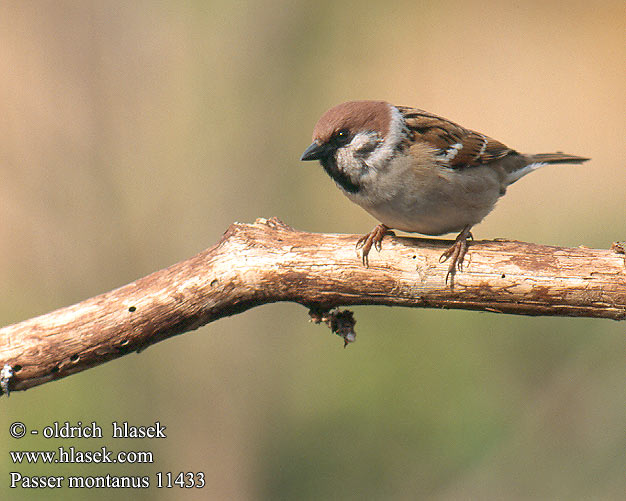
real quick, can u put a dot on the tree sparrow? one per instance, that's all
(417, 172)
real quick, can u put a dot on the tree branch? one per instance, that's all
(268, 261)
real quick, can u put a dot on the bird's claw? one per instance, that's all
(456, 253)
(373, 238)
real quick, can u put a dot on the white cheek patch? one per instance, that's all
(368, 153)
(363, 141)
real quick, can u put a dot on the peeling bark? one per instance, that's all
(268, 261)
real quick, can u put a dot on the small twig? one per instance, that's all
(340, 322)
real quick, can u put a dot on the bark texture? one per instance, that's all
(267, 261)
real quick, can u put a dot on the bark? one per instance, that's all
(267, 261)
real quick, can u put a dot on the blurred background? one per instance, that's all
(133, 133)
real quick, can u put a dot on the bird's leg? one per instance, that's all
(375, 238)
(457, 252)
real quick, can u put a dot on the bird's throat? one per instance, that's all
(343, 180)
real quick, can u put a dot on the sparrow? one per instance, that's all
(417, 172)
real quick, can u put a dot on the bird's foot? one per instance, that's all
(457, 252)
(375, 238)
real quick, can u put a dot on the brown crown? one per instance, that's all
(354, 116)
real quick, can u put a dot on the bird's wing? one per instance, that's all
(457, 146)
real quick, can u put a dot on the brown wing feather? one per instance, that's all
(459, 147)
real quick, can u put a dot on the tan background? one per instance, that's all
(133, 133)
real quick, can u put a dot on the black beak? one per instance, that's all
(314, 152)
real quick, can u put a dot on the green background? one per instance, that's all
(133, 133)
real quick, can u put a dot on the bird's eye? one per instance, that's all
(342, 136)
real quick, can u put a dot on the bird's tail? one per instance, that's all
(530, 163)
(557, 158)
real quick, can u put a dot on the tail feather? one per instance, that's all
(557, 158)
(533, 162)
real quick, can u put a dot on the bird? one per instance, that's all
(418, 172)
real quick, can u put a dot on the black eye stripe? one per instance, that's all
(367, 148)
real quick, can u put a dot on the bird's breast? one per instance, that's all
(431, 200)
